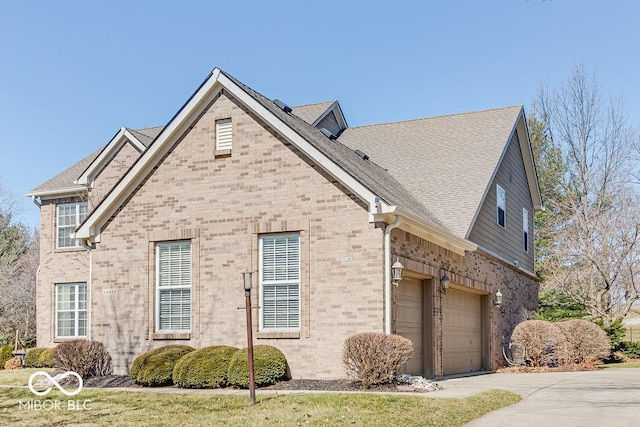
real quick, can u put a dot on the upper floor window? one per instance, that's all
(280, 281)
(224, 133)
(71, 310)
(501, 202)
(69, 217)
(525, 229)
(173, 286)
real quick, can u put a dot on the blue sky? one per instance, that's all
(73, 72)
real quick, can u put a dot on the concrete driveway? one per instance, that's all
(607, 397)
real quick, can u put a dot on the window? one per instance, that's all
(69, 217)
(525, 229)
(173, 279)
(223, 135)
(501, 199)
(280, 281)
(71, 310)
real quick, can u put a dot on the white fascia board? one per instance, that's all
(58, 192)
(90, 229)
(417, 226)
(106, 155)
(323, 161)
(529, 163)
(509, 263)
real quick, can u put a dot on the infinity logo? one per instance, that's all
(55, 383)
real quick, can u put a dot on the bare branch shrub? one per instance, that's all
(87, 358)
(544, 342)
(373, 357)
(13, 363)
(586, 341)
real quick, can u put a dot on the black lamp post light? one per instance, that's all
(246, 276)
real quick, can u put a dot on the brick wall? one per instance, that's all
(222, 204)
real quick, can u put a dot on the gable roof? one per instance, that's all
(371, 183)
(310, 113)
(447, 162)
(73, 179)
(65, 181)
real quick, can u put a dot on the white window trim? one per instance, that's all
(525, 230)
(261, 285)
(224, 126)
(173, 287)
(78, 221)
(76, 311)
(499, 189)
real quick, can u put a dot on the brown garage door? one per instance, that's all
(409, 320)
(461, 332)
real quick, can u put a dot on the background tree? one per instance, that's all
(19, 259)
(590, 234)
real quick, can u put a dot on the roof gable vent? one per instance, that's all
(328, 133)
(361, 154)
(284, 107)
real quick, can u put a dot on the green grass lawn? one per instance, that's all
(108, 407)
(634, 364)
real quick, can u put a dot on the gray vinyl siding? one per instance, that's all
(330, 123)
(486, 232)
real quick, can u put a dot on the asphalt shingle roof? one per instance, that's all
(311, 112)
(372, 176)
(66, 178)
(444, 162)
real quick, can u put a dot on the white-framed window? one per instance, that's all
(501, 203)
(280, 281)
(224, 134)
(68, 217)
(525, 229)
(173, 286)
(71, 310)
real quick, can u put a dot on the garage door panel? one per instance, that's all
(461, 332)
(409, 320)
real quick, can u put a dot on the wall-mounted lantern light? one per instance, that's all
(498, 298)
(396, 272)
(444, 283)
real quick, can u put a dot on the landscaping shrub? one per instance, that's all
(86, 357)
(31, 357)
(373, 358)
(630, 349)
(5, 354)
(13, 363)
(585, 341)
(155, 367)
(269, 367)
(543, 342)
(204, 368)
(45, 360)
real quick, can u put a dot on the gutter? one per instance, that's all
(387, 274)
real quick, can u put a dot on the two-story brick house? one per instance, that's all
(144, 241)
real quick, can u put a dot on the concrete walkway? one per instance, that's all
(607, 397)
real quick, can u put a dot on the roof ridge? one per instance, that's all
(315, 103)
(437, 117)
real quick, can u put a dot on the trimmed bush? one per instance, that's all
(269, 367)
(544, 342)
(585, 341)
(631, 349)
(31, 357)
(204, 368)
(13, 363)
(45, 360)
(155, 367)
(86, 357)
(373, 358)
(5, 354)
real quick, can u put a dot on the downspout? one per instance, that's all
(35, 201)
(89, 289)
(387, 274)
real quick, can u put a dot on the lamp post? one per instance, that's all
(247, 294)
